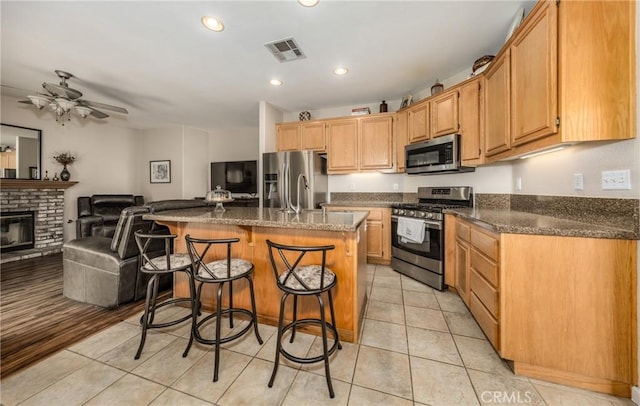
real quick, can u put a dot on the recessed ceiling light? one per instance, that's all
(340, 71)
(275, 82)
(309, 3)
(212, 23)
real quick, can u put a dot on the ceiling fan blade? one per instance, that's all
(25, 101)
(58, 90)
(98, 113)
(104, 106)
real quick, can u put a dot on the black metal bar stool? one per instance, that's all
(150, 245)
(220, 272)
(303, 280)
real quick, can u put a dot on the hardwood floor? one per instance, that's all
(37, 321)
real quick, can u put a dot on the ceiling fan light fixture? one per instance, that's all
(83, 111)
(340, 71)
(309, 3)
(39, 101)
(275, 82)
(65, 104)
(212, 23)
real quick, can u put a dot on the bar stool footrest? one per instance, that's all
(242, 332)
(330, 328)
(172, 322)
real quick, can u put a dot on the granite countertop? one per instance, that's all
(518, 222)
(352, 203)
(253, 216)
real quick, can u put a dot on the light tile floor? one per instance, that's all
(419, 346)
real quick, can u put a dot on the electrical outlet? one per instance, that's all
(352, 186)
(578, 181)
(395, 186)
(616, 179)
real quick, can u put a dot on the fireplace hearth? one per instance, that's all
(17, 231)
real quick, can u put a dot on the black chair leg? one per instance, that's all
(278, 344)
(216, 360)
(325, 348)
(145, 316)
(195, 311)
(295, 317)
(333, 318)
(231, 304)
(254, 320)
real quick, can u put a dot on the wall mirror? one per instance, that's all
(20, 149)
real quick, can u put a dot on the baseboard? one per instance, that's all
(635, 395)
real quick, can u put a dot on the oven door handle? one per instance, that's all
(428, 223)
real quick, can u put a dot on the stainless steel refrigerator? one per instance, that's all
(294, 180)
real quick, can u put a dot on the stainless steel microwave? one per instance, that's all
(439, 155)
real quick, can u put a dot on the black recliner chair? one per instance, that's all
(98, 215)
(105, 271)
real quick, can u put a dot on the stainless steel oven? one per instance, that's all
(422, 261)
(423, 258)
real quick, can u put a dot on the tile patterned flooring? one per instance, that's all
(418, 347)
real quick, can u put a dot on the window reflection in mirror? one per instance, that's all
(19, 152)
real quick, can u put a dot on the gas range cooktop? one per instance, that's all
(433, 200)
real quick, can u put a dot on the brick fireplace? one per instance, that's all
(46, 200)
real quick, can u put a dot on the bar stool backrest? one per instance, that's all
(198, 249)
(285, 265)
(148, 244)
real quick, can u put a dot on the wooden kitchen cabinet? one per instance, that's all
(8, 159)
(402, 138)
(498, 101)
(444, 113)
(342, 145)
(470, 117)
(288, 137)
(419, 122)
(539, 92)
(378, 232)
(376, 142)
(544, 301)
(312, 136)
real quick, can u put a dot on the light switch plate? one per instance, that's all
(616, 179)
(578, 181)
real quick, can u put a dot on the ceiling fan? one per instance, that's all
(62, 99)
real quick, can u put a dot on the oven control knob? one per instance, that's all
(400, 212)
(429, 215)
(394, 211)
(411, 213)
(421, 214)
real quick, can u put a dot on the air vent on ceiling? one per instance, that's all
(285, 50)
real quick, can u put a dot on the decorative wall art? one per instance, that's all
(160, 171)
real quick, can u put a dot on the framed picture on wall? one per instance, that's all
(160, 171)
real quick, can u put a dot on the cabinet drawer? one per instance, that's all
(486, 322)
(462, 230)
(374, 214)
(485, 267)
(487, 294)
(485, 243)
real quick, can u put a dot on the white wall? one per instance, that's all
(195, 160)
(108, 156)
(159, 145)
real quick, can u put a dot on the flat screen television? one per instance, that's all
(236, 176)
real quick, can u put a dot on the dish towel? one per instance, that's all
(411, 230)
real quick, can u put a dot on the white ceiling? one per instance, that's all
(159, 62)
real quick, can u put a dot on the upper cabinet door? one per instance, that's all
(342, 145)
(497, 102)
(534, 89)
(402, 138)
(444, 114)
(419, 122)
(288, 137)
(470, 103)
(376, 143)
(313, 136)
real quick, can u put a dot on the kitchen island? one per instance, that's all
(253, 226)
